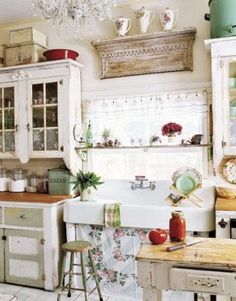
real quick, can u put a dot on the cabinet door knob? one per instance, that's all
(42, 241)
(222, 223)
(17, 127)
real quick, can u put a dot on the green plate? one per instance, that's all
(185, 184)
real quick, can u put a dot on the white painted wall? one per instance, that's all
(191, 13)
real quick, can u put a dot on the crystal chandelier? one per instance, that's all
(74, 17)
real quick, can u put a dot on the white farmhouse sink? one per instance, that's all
(143, 208)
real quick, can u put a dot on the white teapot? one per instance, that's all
(144, 17)
(168, 18)
(122, 25)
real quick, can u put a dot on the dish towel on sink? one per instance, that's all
(112, 215)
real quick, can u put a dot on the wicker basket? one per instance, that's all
(226, 192)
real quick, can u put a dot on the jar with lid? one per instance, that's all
(42, 186)
(32, 182)
(4, 179)
(17, 182)
(177, 226)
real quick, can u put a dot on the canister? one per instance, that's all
(60, 181)
(17, 182)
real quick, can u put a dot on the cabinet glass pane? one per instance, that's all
(37, 92)
(9, 119)
(52, 139)
(232, 103)
(9, 138)
(38, 140)
(38, 117)
(51, 116)
(8, 97)
(51, 93)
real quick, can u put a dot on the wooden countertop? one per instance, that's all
(29, 197)
(225, 204)
(211, 252)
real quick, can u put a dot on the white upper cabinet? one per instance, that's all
(223, 60)
(39, 106)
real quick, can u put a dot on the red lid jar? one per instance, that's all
(177, 226)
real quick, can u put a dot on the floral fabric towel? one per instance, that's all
(112, 215)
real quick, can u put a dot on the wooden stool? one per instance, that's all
(78, 246)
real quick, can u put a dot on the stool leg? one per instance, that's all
(70, 273)
(95, 275)
(62, 276)
(83, 271)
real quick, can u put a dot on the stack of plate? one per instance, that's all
(186, 180)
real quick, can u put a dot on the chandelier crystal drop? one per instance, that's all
(74, 17)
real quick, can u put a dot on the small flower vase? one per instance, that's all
(86, 195)
(171, 138)
(174, 138)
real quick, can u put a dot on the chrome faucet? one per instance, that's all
(140, 185)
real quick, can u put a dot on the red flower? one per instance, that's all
(171, 128)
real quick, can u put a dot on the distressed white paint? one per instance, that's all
(222, 54)
(156, 276)
(23, 245)
(67, 74)
(27, 247)
(23, 268)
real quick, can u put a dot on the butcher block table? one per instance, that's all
(207, 267)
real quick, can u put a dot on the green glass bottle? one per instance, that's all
(89, 135)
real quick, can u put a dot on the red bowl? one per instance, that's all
(60, 54)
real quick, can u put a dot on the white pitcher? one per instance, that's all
(144, 17)
(168, 18)
(122, 26)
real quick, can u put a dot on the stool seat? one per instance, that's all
(76, 246)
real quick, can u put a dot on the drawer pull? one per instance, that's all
(23, 216)
(222, 223)
(42, 241)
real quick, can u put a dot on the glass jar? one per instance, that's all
(17, 182)
(42, 186)
(32, 182)
(4, 179)
(177, 226)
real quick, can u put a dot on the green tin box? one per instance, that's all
(59, 181)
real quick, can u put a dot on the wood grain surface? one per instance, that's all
(225, 204)
(210, 252)
(28, 197)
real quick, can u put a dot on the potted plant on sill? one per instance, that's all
(84, 183)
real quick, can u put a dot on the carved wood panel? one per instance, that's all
(145, 54)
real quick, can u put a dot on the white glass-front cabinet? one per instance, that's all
(39, 106)
(223, 63)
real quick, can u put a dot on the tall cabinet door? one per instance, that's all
(43, 126)
(229, 107)
(8, 123)
(1, 256)
(24, 257)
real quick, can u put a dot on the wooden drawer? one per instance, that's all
(29, 217)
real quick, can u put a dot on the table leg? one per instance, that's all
(152, 295)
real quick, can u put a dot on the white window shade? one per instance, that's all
(133, 120)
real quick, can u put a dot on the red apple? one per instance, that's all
(157, 236)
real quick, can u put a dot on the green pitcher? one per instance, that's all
(222, 18)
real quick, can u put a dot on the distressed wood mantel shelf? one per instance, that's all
(149, 53)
